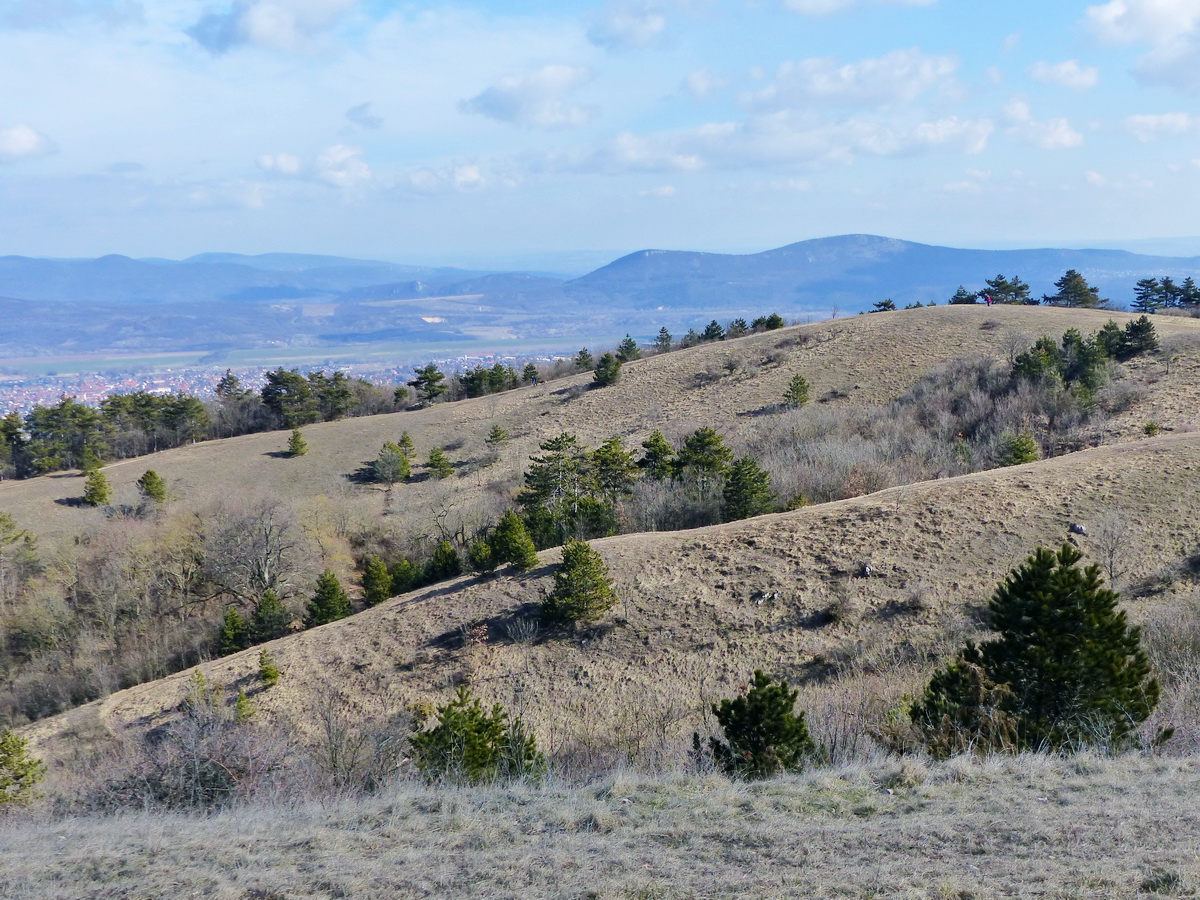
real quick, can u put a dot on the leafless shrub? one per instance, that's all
(1112, 535)
(521, 629)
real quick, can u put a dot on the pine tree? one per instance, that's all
(529, 374)
(1146, 296)
(583, 591)
(1018, 449)
(233, 633)
(628, 350)
(664, 341)
(1140, 337)
(471, 745)
(583, 360)
(243, 709)
(608, 371)
(439, 464)
(428, 383)
(1075, 668)
(269, 620)
(658, 462)
(705, 457)
(1074, 291)
(20, 772)
(481, 557)
(1003, 290)
(888, 305)
(796, 394)
(763, 734)
(1111, 339)
(152, 487)
(444, 563)
(747, 490)
(496, 436)
(96, 489)
(329, 603)
(376, 581)
(963, 296)
(613, 470)
(268, 669)
(391, 465)
(405, 443)
(296, 446)
(512, 544)
(713, 332)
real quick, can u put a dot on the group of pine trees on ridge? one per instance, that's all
(70, 433)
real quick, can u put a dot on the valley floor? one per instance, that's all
(1002, 827)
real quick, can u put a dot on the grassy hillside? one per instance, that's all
(854, 599)
(726, 385)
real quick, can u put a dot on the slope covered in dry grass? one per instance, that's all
(1017, 827)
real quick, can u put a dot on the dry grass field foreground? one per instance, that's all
(725, 385)
(1027, 826)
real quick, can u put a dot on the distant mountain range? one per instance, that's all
(224, 301)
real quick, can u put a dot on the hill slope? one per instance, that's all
(850, 598)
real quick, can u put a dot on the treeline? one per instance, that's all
(74, 435)
(1149, 296)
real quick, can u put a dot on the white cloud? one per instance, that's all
(22, 142)
(785, 138)
(280, 24)
(1068, 74)
(1049, 134)
(827, 7)
(899, 77)
(702, 83)
(621, 26)
(1148, 128)
(664, 191)
(341, 165)
(1095, 179)
(535, 99)
(1170, 27)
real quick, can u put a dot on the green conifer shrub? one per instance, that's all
(659, 461)
(243, 709)
(747, 490)
(329, 603)
(1017, 449)
(480, 556)
(20, 772)
(296, 445)
(269, 620)
(628, 350)
(472, 745)
(583, 591)
(763, 734)
(376, 581)
(439, 464)
(444, 563)
(268, 669)
(796, 394)
(152, 487)
(233, 633)
(1073, 668)
(608, 371)
(96, 489)
(512, 544)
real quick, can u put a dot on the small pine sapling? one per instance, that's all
(20, 771)
(763, 734)
(268, 669)
(796, 394)
(296, 446)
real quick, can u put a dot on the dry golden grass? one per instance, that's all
(1024, 826)
(853, 600)
(860, 360)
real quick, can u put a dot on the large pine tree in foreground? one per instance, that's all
(1072, 667)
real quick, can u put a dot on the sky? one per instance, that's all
(534, 132)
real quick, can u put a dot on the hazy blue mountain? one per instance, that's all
(217, 301)
(852, 272)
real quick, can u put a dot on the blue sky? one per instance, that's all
(484, 133)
